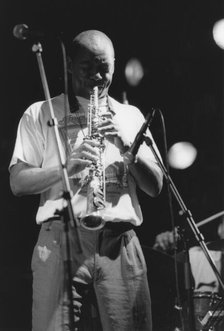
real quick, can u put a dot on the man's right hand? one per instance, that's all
(83, 156)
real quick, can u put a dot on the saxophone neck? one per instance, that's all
(93, 111)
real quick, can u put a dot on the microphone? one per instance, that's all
(133, 150)
(22, 32)
(140, 135)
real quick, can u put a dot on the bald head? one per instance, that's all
(93, 41)
(92, 63)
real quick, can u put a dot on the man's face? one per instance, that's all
(93, 66)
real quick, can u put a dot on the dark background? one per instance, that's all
(183, 78)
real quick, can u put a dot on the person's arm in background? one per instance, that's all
(166, 241)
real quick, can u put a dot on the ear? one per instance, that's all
(113, 65)
(69, 65)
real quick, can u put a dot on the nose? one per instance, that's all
(97, 76)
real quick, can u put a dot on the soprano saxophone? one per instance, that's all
(96, 193)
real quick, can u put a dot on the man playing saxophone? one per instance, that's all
(109, 277)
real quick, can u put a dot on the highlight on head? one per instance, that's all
(91, 40)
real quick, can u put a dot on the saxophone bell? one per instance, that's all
(93, 221)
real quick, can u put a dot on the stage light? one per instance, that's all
(134, 72)
(218, 33)
(182, 155)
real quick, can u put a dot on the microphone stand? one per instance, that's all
(186, 212)
(188, 284)
(68, 214)
(210, 218)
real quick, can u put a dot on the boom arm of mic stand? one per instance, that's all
(186, 212)
(69, 215)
